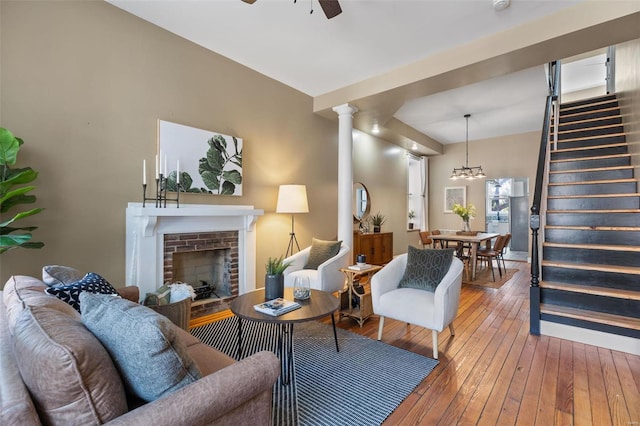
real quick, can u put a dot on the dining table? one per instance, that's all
(473, 240)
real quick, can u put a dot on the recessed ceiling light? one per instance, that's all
(501, 4)
(375, 129)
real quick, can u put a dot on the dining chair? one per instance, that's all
(437, 244)
(425, 239)
(494, 253)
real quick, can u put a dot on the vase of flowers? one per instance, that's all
(465, 213)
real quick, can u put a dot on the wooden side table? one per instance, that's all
(365, 309)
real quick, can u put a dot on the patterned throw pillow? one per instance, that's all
(321, 251)
(92, 283)
(143, 345)
(426, 268)
(60, 275)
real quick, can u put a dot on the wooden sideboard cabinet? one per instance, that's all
(378, 247)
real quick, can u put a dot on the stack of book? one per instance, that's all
(360, 267)
(276, 307)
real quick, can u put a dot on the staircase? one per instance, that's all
(591, 249)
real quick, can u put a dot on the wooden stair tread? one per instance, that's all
(599, 157)
(567, 113)
(594, 228)
(592, 169)
(610, 247)
(595, 211)
(566, 108)
(588, 120)
(591, 316)
(593, 290)
(594, 267)
(587, 148)
(633, 194)
(591, 182)
(606, 126)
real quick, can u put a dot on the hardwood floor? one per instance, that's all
(493, 372)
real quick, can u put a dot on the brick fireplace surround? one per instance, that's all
(189, 227)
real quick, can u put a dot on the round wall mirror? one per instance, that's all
(361, 202)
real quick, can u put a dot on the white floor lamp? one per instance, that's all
(292, 199)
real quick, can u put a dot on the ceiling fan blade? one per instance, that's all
(249, 1)
(331, 8)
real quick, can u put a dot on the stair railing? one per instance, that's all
(552, 108)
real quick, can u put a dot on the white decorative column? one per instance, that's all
(345, 172)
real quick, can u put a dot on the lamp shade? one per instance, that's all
(292, 199)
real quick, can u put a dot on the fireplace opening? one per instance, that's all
(207, 261)
(207, 271)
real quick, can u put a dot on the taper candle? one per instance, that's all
(178, 172)
(157, 166)
(165, 165)
(144, 172)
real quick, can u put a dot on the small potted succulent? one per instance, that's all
(378, 220)
(274, 278)
(412, 215)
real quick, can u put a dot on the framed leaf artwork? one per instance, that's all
(208, 162)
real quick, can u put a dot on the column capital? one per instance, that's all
(345, 109)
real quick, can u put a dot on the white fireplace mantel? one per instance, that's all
(146, 227)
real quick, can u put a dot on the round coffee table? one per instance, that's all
(319, 305)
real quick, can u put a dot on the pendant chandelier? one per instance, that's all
(466, 172)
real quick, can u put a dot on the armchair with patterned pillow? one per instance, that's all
(321, 263)
(421, 287)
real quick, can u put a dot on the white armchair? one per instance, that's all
(326, 278)
(434, 311)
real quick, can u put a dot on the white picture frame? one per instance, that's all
(454, 195)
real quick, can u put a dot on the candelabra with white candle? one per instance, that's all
(160, 198)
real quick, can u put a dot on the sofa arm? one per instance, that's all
(214, 396)
(130, 292)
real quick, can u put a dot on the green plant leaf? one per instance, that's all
(211, 180)
(215, 161)
(21, 216)
(14, 240)
(232, 176)
(7, 229)
(219, 143)
(9, 146)
(14, 177)
(228, 188)
(235, 144)
(15, 197)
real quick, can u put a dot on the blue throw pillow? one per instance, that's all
(92, 283)
(144, 345)
(426, 268)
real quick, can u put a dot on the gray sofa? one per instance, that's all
(65, 377)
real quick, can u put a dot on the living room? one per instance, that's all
(84, 83)
(96, 79)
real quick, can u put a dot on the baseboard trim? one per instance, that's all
(591, 337)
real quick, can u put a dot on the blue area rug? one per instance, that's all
(360, 385)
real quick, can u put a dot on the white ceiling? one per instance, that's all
(281, 39)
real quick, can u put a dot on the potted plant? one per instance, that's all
(377, 220)
(412, 216)
(465, 214)
(13, 237)
(274, 278)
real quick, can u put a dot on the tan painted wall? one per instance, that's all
(83, 84)
(382, 168)
(507, 156)
(628, 89)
